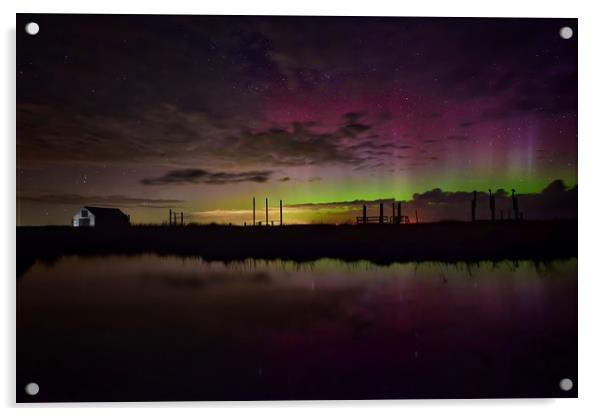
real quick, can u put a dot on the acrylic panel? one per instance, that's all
(295, 208)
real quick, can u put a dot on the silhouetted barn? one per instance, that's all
(100, 217)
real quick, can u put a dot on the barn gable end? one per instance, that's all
(100, 217)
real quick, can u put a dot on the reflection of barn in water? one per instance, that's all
(100, 217)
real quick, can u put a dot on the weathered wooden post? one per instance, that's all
(266, 212)
(393, 217)
(515, 204)
(474, 206)
(381, 214)
(182, 218)
(492, 205)
(169, 217)
(365, 215)
(399, 213)
(502, 214)
(416, 216)
(281, 212)
(253, 210)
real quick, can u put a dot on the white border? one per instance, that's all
(590, 139)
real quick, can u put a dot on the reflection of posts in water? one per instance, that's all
(382, 213)
(399, 213)
(281, 212)
(492, 205)
(365, 215)
(515, 205)
(253, 210)
(474, 206)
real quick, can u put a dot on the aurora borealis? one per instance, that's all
(201, 113)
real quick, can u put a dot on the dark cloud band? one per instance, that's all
(193, 176)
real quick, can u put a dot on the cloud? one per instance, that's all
(553, 202)
(354, 116)
(354, 129)
(100, 200)
(183, 137)
(298, 144)
(193, 176)
(458, 138)
(285, 179)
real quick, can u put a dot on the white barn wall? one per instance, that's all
(78, 216)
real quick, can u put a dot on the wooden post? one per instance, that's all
(399, 213)
(492, 205)
(169, 217)
(381, 214)
(393, 217)
(365, 215)
(281, 212)
(416, 216)
(266, 212)
(253, 210)
(181, 218)
(474, 206)
(515, 205)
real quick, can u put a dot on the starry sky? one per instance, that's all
(201, 113)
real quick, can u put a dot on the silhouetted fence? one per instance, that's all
(396, 218)
(175, 218)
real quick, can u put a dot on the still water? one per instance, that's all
(155, 327)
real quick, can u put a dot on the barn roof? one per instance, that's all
(106, 213)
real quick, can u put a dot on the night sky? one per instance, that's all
(201, 113)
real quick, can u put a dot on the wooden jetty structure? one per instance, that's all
(396, 218)
(173, 218)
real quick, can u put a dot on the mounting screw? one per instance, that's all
(32, 389)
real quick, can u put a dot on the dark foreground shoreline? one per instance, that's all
(381, 244)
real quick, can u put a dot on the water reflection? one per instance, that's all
(285, 330)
